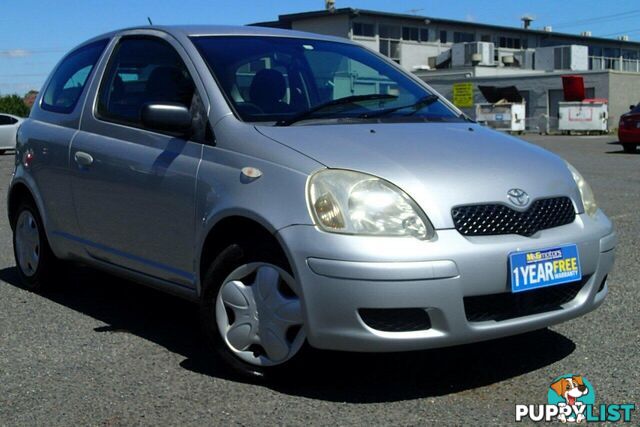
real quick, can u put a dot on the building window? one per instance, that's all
(415, 34)
(364, 30)
(443, 36)
(512, 43)
(424, 35)
(485, 38)
(459, 37)
(390, 41)
(411, 33)
(595, 51)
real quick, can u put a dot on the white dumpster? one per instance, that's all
(504, 110)
(506, 116)
(584, 116)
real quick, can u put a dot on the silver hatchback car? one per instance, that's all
(302, 189)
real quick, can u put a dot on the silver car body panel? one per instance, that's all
(147, 204)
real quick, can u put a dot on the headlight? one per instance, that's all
(588, 199)
(355, 203)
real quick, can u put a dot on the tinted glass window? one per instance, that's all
(70, 78)
(411, 33)
(276, 78)
(143, 70)
(7, 120)
(366, 30)
(459, 37)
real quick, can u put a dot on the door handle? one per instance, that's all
(83, 159)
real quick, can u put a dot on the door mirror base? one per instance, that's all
(167, 117)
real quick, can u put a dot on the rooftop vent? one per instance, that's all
(586, 34)
(330, 5)
(526, 21)
(548, 29)
(624, 38)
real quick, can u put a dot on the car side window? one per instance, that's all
(7, 120)
(70, 78)
(144, 70)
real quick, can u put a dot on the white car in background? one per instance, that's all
(8, 127)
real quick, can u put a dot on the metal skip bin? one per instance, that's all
(505, 109)
(579, 114)
(590, 115)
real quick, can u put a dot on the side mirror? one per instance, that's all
(631, 107)
(172, 118)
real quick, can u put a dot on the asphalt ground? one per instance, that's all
(103, 351)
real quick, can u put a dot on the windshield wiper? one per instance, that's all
(340, 101)
(417, 106)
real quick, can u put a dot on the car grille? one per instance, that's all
(494, 219)
(509, 305)
(396, 319)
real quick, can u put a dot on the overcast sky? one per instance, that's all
(35, 34)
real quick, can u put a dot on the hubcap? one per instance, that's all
(259, 314)
(27, 243)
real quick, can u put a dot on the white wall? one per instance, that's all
(330, 25)
(579, 58)
(371, 43)
(416, 54)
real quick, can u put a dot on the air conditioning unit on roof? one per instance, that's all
(474, 53)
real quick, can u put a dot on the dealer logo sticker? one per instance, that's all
(572, 399)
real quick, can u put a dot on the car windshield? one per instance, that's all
(290, 80)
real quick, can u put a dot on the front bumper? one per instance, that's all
(341, 274)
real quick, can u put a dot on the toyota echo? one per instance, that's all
(304, 190)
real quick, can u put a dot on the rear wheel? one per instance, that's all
(251, 310)
(629, 148)
(36, 263)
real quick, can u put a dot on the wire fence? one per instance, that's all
(542, 124)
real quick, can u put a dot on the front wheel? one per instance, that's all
(629, 148)
(252, 311)
(36, 263)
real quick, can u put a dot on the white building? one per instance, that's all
(444, 52)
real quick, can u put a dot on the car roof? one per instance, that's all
(223, 30)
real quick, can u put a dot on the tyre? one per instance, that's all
(629, 148)
(251, 310)
(36, 264)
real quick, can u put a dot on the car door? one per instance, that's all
(134, 188)
(7, 131)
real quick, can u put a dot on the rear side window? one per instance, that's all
(70, 78)
(7, 120)
(143, 70)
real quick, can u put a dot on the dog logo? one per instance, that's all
(572, 399)
(571, 393)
